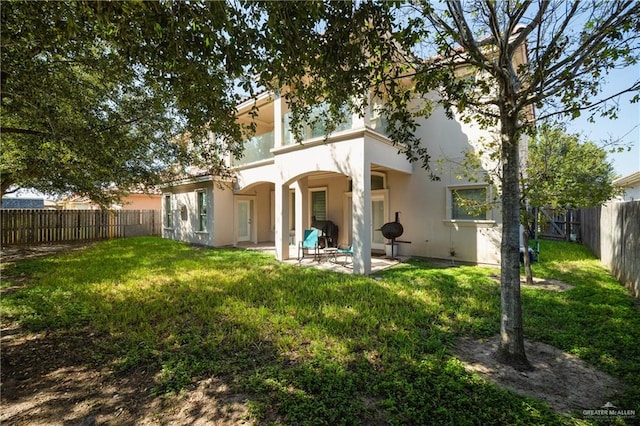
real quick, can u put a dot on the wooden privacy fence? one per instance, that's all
(558, 224)
(612, 233)
(34, 226)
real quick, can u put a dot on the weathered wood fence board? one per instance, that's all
(34, 226)
(612, 233)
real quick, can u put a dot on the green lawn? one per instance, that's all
(316, 347)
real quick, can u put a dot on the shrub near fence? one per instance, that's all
(35, 226)
(612, 233)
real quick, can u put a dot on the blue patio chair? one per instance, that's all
(345, 250)
(309, 245)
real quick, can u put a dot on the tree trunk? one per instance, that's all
(511, 347)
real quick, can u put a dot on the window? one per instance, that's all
(469, 203)
(202, 210)
(319, 204)
(378, 181)
(377, 119)
(292, 210)
(168, 212)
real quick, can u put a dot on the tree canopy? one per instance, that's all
(95, 95)
(562, 171)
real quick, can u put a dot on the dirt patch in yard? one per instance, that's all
(565, 382)
(541, 283)
(51, 380)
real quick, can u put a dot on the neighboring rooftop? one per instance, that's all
(631, 179)
(23, 203)
(630, 185)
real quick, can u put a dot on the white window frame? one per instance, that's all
(202, 227)
(379, 174)
(488, 215)
(326, 202)
(168, 220)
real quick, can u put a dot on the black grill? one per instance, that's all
(391, 231)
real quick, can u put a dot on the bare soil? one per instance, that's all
(541, 283)
(50, 379)
(565, 382)
(47, 380)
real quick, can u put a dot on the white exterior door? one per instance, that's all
(244, 220)
(378, 218)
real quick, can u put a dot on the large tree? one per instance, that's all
(97, 97)
(337, 52)
(565, 171)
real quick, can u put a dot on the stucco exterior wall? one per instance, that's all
(184, 199)
(222, 215)
(423, 215)
(263, 218)
(425, 204)
(422, 202)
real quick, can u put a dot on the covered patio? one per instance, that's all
(379, 262)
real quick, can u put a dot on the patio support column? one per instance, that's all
(282, 221)
(361, 195)
(302, 193)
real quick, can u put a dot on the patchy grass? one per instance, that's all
(315, 347)
(596, 320)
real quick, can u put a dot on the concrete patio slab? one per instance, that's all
(378, 263)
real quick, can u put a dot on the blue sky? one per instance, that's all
(626, 126)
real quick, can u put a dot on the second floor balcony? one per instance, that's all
(270, 135)
(257, 148)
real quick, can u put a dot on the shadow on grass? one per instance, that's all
(70, 378)
(299, 345)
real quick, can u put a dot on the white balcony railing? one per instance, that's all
(256, 149)
(309, 131)
(379, 124)
(259, 147)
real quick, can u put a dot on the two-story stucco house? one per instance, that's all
(356, 179)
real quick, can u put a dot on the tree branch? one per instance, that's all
(17, 130)
(11, 191)
(585, 50)
(634, 88)
(514, 20)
